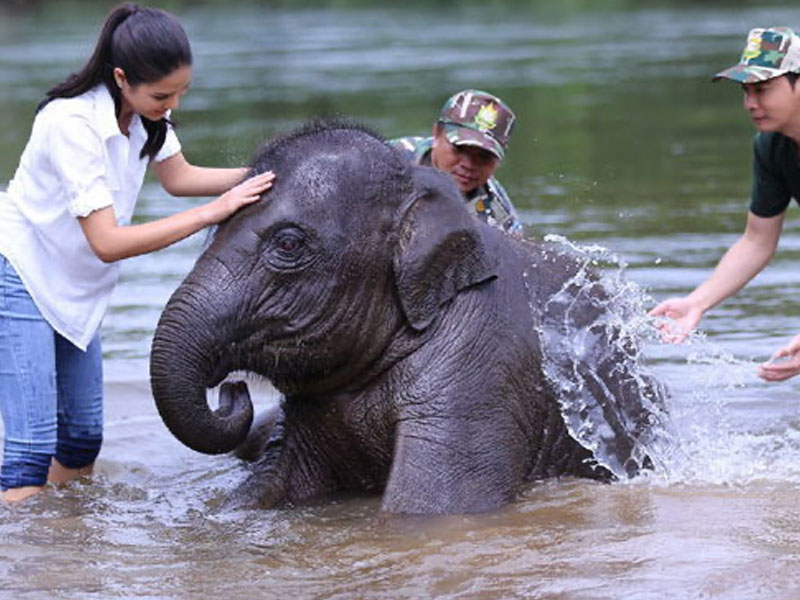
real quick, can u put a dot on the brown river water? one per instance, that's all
(622, 144)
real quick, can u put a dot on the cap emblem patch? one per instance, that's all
(486, 119)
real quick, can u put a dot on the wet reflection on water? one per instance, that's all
(621, 143)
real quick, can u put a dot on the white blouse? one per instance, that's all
(76, 161)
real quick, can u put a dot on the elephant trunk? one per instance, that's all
(185, 360)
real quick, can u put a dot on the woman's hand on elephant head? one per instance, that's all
(247, 192)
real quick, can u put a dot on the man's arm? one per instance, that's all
(743, 261)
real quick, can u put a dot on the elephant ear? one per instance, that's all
(440, 248)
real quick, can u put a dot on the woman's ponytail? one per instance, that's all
(98, 69)
(147, 44)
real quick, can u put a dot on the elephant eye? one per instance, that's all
(286, 249)
(288, 243)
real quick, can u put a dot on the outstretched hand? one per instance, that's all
(247, 192)
(684, 317)
(785, 363)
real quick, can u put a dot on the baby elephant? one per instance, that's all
(409, 341)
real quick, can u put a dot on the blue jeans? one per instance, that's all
(51, 392)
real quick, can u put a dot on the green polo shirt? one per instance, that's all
(776, 174)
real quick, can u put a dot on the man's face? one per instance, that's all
(470, 166)
(774, 105)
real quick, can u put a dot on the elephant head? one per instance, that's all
(339, 270)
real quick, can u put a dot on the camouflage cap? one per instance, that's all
(769, 53)
(475, 118)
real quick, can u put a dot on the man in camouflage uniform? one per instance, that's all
(767, 71)
(469, 142)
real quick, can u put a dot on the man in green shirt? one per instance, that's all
(768, 72)
(469, 142)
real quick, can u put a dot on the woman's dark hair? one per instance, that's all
(147, 44)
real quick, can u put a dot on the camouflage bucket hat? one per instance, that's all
(769, 53)
(475, 118)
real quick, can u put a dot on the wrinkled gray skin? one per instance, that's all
(398, 328)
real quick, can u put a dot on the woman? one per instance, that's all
(65, 221)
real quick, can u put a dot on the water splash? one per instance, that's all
(728, 436)
(593, 330)
(709, 427)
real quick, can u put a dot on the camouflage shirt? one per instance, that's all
(491, 202)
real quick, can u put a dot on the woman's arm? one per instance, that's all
(180, 178)
(112, 242)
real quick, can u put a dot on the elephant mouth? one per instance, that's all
(238, 388)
